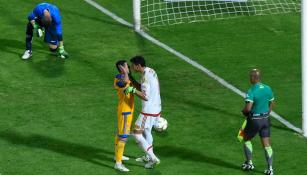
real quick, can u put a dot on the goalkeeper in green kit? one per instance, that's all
(45, 18)
(258, 105)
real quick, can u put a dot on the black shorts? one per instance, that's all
(254, 126)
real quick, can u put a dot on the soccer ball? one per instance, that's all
(161, 124)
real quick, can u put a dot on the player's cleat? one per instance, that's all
(125, 158)
(143, 159)
(27, 55)
(152, 163)
(121, 167)
(248, 166)
(268, 172)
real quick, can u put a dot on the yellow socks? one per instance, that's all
(119, 148)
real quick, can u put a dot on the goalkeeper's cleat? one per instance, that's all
(143, 159)
(124, 158)
(121, 167)
(152, 163)
(268, 172)
(27, 55)
(247, 166)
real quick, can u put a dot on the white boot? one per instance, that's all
(120, 167)
(152, 163)
(143, 159)
(27, 55)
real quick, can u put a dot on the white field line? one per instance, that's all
(188, 60)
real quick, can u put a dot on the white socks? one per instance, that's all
(145, 145)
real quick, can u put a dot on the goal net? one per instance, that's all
(168, 12)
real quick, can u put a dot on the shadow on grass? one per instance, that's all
(190, 155)
(13, 46)
(84, 152)
(194, 156)
(51, 67)
(195, 103)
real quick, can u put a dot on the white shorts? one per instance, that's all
(145, 121)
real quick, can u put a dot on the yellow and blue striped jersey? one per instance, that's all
(126, 102)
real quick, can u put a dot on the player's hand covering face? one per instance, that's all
(124, 69)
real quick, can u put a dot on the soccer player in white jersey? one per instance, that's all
(151, 109)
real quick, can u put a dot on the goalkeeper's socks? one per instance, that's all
(269, 156)
(248, 150)
(29, 42)
(120, 151)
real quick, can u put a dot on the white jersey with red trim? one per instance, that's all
(150, 86)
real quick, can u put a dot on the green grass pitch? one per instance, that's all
(59, 117)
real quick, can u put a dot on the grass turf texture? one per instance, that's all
(58, 117)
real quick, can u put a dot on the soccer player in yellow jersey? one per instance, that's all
(125, 109)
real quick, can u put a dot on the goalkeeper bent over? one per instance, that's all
(45, 19)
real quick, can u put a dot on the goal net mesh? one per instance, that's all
(168, 12)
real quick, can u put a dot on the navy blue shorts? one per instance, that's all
(260, 126)
(51, 36)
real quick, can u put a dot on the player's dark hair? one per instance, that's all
(120, 63)
(138, 60)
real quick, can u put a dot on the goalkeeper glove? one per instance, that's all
(130, 89)
(37, 30)
(62, 53)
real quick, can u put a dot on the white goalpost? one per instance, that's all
(304, 66)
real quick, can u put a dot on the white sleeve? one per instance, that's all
(145, 86)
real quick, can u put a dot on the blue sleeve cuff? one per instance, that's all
(120, 84)
(31, 16)
(60, 37)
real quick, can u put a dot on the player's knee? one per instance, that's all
(123, 137)
(53, 47)
(137, 135)
(52, 50)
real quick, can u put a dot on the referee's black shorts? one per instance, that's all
(257, 125)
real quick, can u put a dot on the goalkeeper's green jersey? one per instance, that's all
(261, 95)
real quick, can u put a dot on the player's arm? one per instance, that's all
(249, 100)
(32, 16)
(140, 93)
(131, 89)
(271, 101)
(271, 104)
(58, 26)
(136, 84)
(247, 108)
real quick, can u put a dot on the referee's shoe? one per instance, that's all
(248, 166)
